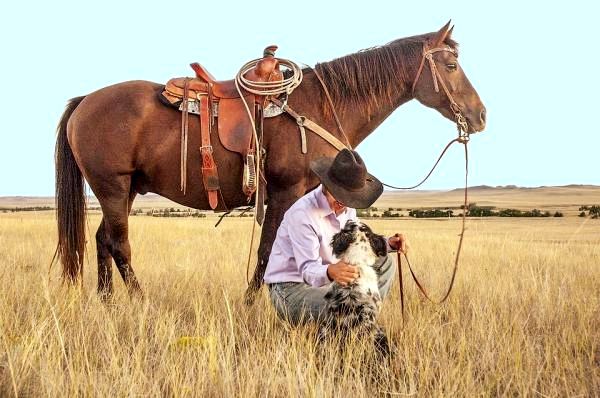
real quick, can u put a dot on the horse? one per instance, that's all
(123, 141)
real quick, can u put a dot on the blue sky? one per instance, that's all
(533, 64)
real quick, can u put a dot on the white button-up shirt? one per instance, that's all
(302, 248)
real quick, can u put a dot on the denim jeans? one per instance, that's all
(297, 302)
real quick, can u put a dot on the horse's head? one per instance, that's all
(441, 83)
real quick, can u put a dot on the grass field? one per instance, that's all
(523, 318)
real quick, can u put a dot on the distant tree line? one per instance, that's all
(431, 213)
(482, 211)
(593, 211)
(177, 213)
(367, 213)
(32, 208)
(169, 212)
(487, 211)
(473, 210)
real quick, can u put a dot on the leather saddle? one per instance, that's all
(219, 103)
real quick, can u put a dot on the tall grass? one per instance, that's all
(523, 318)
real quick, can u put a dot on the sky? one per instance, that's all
(532, 63)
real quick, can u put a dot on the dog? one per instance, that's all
(354, 308)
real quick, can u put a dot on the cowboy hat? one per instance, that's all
(346, 177)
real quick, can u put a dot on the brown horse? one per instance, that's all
(123, 141)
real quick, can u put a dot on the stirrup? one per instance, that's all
(249, 178)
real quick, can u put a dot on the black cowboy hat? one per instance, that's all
(347, 179)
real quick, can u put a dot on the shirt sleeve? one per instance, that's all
(354, 217)
(305, 246)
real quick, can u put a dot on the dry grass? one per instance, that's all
(523, 318)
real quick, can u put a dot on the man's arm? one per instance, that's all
(305, 246)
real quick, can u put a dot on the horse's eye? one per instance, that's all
(451, 67)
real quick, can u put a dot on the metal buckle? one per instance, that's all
(207, 147)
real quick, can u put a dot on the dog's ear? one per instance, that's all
(378, 244)
(341, 241)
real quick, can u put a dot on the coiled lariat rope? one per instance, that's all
(269, 88)
(265, 89)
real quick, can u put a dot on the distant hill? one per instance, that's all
(514, 187)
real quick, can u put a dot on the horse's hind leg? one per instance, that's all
(105, 281)
(115, 226)
(104, 256)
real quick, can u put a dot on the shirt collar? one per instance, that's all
(323, 205)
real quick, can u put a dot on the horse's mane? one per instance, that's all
(371, 77)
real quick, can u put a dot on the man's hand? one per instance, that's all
(343, 273)
(398, 242)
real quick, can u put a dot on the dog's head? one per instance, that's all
(356, 233)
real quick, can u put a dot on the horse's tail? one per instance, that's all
(70, 202)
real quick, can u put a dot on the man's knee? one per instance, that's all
(387, 267)
(297, 303)
(387, 271)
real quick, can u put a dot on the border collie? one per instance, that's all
(353, 308)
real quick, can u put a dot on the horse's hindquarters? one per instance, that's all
(124, 131)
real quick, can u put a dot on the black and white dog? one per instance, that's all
(354, 308)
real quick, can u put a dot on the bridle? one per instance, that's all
(461, 121)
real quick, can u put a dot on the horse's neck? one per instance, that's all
(356, 122)
(361, 116)
(360, 125)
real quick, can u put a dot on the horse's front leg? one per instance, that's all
(279, 202)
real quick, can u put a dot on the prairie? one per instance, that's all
(523, 318)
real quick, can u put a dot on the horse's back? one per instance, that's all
(129, 99)
(108, 127)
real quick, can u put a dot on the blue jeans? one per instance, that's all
(297, 302)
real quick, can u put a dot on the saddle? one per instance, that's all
(232, 112)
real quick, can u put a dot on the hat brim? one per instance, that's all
(357, 199)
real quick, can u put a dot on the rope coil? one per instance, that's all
(273, 88)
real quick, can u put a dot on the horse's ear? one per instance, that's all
(449, 34)
(441, 35)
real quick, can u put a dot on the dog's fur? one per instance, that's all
(354, 308)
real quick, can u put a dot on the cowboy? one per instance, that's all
(302, 265)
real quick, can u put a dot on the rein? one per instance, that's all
(458, 250)
(463, 138)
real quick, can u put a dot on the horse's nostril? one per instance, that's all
(482, 115)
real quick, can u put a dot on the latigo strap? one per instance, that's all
(210, 176)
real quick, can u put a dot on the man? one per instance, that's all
(302, 264)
